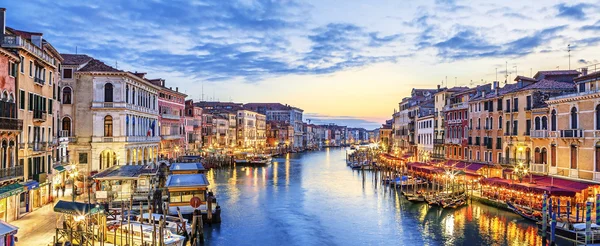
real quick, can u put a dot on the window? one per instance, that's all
(515, 104)
(582, 87)
(49, 106)
(51, 78)
(12, 69)
(500, 122)
(108, 92)
(30, 68)
(544, 123)
(573, 157)
(597, 158)
(108, 126)
(66, 126)
(30, 102)
(22, 64)
(553, 154)
(67, 95)
(67, 73)
(598, 117)
(127, 93)
(83, 158)
(573, 118)
(537, 124)
(553, 120)
(22, 99)
(528, 127)
(508, 104)
(499, 104)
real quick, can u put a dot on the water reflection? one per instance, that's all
(326, 203)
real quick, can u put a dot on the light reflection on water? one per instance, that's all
(320, 201)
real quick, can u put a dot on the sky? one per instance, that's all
(347, 62)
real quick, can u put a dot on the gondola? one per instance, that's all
(534, 216)
(574, 232)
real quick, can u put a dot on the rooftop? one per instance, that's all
(556, 72)
(75, 59)
(588, 76)
(186, 180)
(549, 85)
(187, 167)
(125, 172)
(97, 66)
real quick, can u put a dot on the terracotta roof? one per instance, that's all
(267, 106)
(98, 66)
(549, 85)
(23, 34)
(75, 59)
(520, 77)
(141, 75)
(588, 76)
(557, 72)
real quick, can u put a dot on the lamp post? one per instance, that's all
(521, 171)
(73, 174)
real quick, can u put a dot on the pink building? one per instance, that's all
(171, 120)
(193, 127)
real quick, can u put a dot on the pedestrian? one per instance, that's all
(62, 187)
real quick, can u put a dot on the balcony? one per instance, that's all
(14, 41)
(438, 156)
(513, 161)
(528, 108)
(38, 146)
(39, 116)
(171, 137)
(507, 110)
(453, 141)
(11, 124)
(122, 105)
(170, 116)
(460, 105)
(39, 81)
(11, 173)
(572, 133)
(142, 139)
(539, 134)
(538, 168)
(21, 145)
(438, 141)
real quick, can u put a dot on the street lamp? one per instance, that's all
(73, 174)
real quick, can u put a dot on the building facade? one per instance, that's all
(171, 104)
(109, 116)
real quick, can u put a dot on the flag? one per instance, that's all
(150, 129)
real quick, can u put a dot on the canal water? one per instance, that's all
(313, 198)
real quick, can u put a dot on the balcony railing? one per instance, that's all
(21, 145)
(11, 124)
(14, 41)
(124, 105)
(170, 116)
(539, 134)
(438, 141)
(513, 161)
(39, 115)
(438, 156)
(453, 141)
(538, 168)
(39, 81)
(460, 105)
(38, 146)
(11, 172)
(572, 133)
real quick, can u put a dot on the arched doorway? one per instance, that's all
(108, 158)
(527, 155)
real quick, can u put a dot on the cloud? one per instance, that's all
(574, 12)
(468, 43)
(584, 61)
(594, 27)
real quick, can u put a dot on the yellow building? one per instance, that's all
(37, 75)
(575, 130)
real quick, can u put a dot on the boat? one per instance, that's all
(574, 232)
(173, 223)
(140, 234)
(453, 202)
(458, 203)
(529, 214)
(419, 197)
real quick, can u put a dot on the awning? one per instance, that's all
(496, 181)
(77, 208)
(32, 184)
(10, 190)
(562, 183)
(7, 229)
(59, 168)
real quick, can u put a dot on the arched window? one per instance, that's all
(67, 95)
(108, 126)
(108, 92)
(544, 123)
(537, 157)
(553, 120)
(597, 157)
(573, 118)
(538, 124)
(544, 155)
(132, 96)
(126, 93)
(66, 126)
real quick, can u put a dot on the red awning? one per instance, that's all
(539, 188)
(566, 184)
(496, 181)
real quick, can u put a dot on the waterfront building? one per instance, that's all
(525, 110)
(109, 116)
(425, 135)
(281, 112)
(208, 137)
(574, 130)
(479, 141)
(403, 129)
(11, 172)
(440, 101)
(457, 122)
(171, 104)
(247, 128)
(209, 111)
(221, 131)
(280, 134)
(193, 127)
(385, 136)
(34, 91)
(261, 131)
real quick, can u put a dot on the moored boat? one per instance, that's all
(574, 232)
(529, 214)
(140, 234)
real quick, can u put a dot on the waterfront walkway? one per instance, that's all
(38, 227)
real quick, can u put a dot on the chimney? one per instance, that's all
(438, 87)
(584, 71)
(2, 23)
(177, 89)
(483, 94)
(495, 85)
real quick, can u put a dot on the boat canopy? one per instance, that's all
(77, 208)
